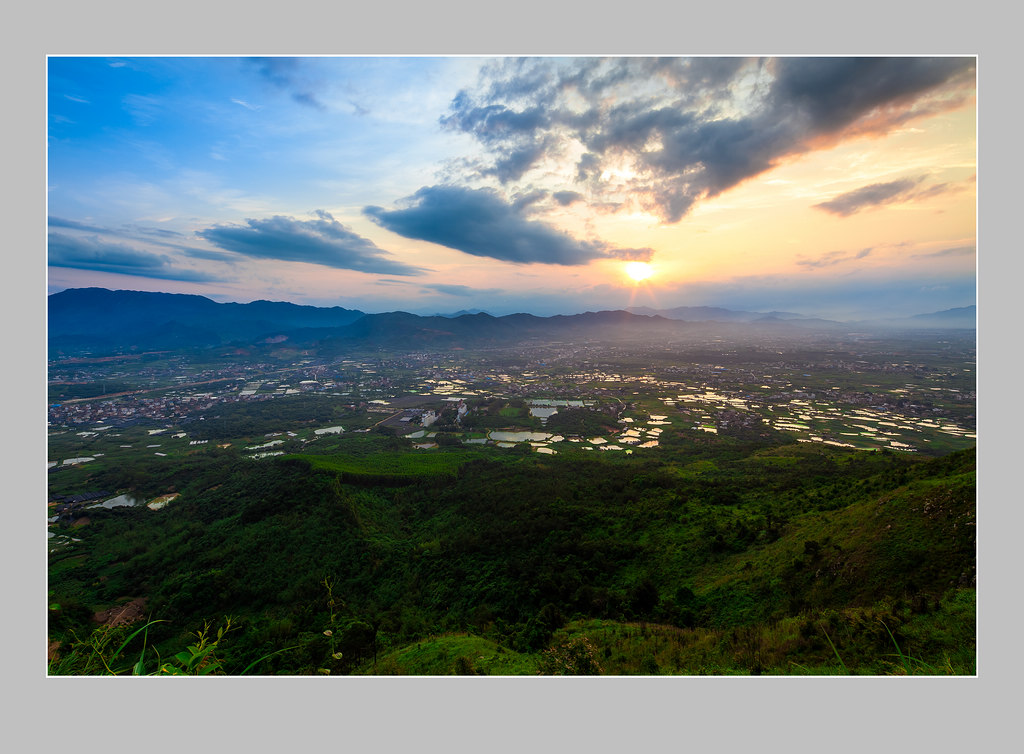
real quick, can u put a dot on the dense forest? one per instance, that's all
(732, 559)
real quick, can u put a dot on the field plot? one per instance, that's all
(397, 465)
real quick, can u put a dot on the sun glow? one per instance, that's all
(639, 270)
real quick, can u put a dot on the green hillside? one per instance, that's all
(788, 560)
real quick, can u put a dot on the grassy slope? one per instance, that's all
(452, 654)
(916, 539)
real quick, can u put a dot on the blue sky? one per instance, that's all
(839, 187)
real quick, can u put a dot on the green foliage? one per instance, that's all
(257, 418)
(98, 655)
(583, 422)
(574, 657)
(452, 654)
(394, 467)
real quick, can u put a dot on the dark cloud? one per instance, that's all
(876, 194)
(525, 199)
(91, 253)
(287, 74)
(693, 128)
(157, 232)
(60, 222)
(565, 198)
(323, 241)
(512, 166)
(892, 192)
(151, 236)
(481, 223)
(830, 95)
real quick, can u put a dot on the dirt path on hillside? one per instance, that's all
(122, 615)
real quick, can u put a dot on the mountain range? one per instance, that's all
(99, 319)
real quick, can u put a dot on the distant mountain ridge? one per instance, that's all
(99, 319)
(712, 314)
(462, 312)
(963, 316)
(167, 319)
(960, 317)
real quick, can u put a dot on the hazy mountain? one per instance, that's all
(97, 319)
(461, 312)
(401, 329)
(960, 318)
(711, 314)
(963, 316)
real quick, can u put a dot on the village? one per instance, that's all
(909, 406)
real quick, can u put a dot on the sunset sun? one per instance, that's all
(638, 271)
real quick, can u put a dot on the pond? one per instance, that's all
(329, 431)
(518, 436)
(117, 502)
(543, 412)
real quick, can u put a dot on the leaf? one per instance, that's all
(132, 636)
(264, 657)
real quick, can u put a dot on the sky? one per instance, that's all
(840, 187)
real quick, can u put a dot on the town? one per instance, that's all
(859, 395)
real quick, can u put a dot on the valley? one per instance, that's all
(703, 506)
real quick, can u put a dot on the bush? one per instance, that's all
(575, 657)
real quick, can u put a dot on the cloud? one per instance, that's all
(323, 241)
(60, 222)
(448, 289)
(874, 195)
(645, 254)
(565, 198)
(461, 290)
(523, 200)
(152, 236)
(286, 74)
(481, 223)
(91, 253)
(892, 192)
(156, 232)
(956, 251)
(246, 105)
(690, 129)
(144, 109)
(834, 258)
